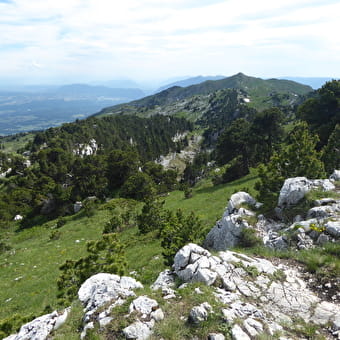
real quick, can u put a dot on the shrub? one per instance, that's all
(151, 217)
(105, 255)
(55, 235)
(61, 222)
(177, 231)
(113, 225)
(249, 239)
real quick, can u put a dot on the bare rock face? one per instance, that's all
(41, 327)
(227, 231)
(257, 294)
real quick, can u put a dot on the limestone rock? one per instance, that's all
(143, 305)
(237, 199)
(333, 228)
(41, 327)
(279, 293)
(294, 189)
(335, 176)
(238, 334)
(164, 280)
(185, 254)
(226, 232)
(324, 211)
(102, 288)
(138, 330)
(325, 313)
(199, 313)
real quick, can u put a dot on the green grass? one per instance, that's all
(18, 141)
(208, 202)
(30, 269)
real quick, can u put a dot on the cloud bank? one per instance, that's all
(42, 40)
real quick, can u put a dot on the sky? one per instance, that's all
(61, 41)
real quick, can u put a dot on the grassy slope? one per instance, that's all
(36, 259)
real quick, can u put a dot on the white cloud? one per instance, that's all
(149, 38)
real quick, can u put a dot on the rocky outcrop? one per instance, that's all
(226, 233)
(40, 328)
(104, 289)
(257, 294)
(86, 149)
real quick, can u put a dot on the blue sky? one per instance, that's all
(147, 40)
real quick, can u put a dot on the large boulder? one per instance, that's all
(295, 189)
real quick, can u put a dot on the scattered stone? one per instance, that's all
(138, 330)
(216, 336)
(18, 218)
(238, 334)
(199, 313)
(77, 206)
(143, 305)
(333, 228)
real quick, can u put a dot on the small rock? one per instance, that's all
(238, 334)
(216, 336)
(143, 305)
(157, 315)
(138, 330)
(199, 313)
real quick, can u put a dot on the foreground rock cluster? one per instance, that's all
(320, 224)
(258, 296)
(255, 296)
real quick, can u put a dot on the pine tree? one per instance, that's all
(298, 157)
(105, 256)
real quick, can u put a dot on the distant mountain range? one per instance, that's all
(258, 92)
(27, 108)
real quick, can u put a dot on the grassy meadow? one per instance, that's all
(29, 270)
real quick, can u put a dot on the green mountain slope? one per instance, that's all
(256, 90)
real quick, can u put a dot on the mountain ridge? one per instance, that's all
(250, 85)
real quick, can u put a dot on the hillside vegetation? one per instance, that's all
(99, 180)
